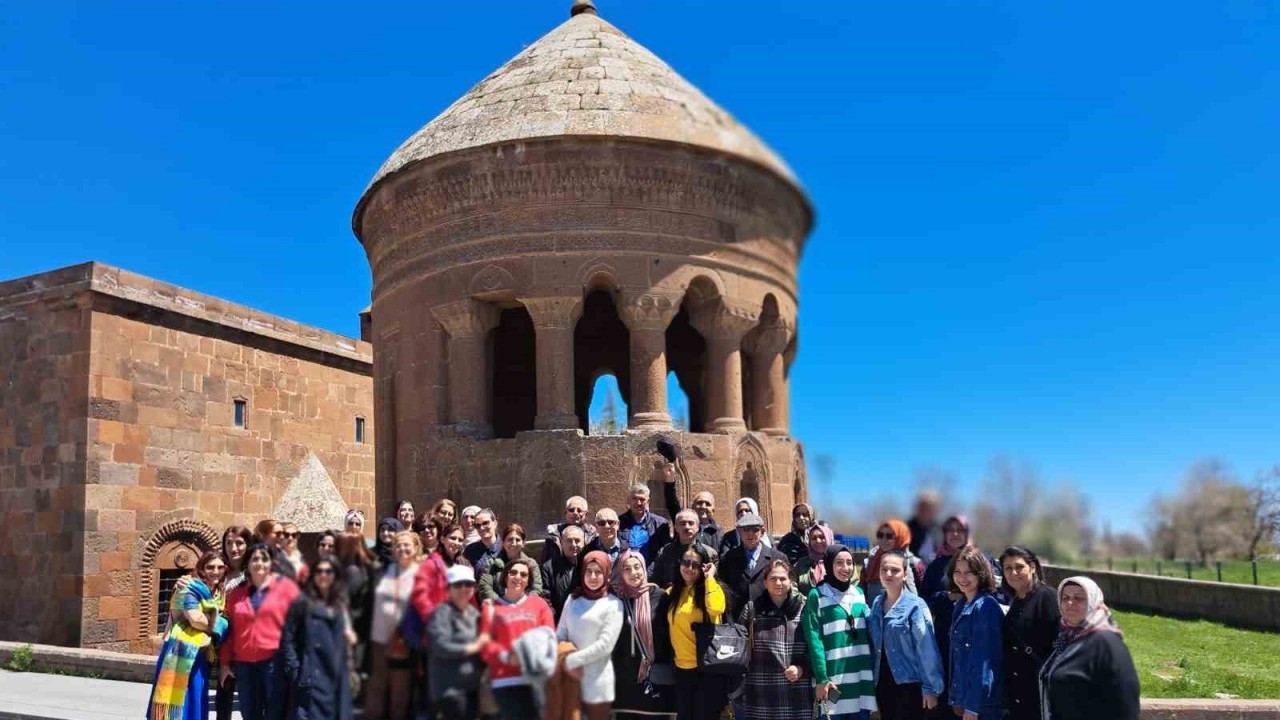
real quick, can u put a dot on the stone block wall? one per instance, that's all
(44, 358)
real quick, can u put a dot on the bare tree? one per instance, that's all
(1010, 495)
(1210, 517)
(1264, 510)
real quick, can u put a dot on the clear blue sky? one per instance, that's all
(1044, 229)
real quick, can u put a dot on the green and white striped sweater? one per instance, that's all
(835, 628)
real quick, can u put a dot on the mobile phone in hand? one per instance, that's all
(833, 695)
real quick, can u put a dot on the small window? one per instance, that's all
(360, 430)
(240, 413)
(168, 581)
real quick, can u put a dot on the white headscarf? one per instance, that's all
(1097, 618)
(754, 509)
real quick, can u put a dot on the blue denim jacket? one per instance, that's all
(977, 657)
(905, 634)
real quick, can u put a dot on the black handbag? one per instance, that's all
(723, 649)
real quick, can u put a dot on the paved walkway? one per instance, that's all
(38, 696)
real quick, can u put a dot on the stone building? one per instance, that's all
(139, 419)
(583, 210)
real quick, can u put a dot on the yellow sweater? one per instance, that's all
(684, 615)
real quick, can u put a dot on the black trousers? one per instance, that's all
(698, 696)
(224, 699)
(457, 706)
(897, 702)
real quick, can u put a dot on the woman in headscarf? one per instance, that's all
(795, 543)
(1090, 673)
(383, 540)
(180, 690)
(468, 521)
(809, 572)
(1030, 626)
(592, 621)
(893, 534)
(731, 539)
(777, 682)
(835, 629)
(635, 693)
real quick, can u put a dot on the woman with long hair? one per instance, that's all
(446, 511)
(592, 621)
(975, 688)
(180, 690)
(314, 647)
(256, 611)
(893, 534)
(695, 597)
(908, 668)
(388, 695)
(1090, 672)
(405, 513)
(512, 549)
(428, 529)
(430, 587)
(359, 577)
(777, 682)
(236, 540)
(327, 543)
(1029, 628)
(835, 628)
(795, 544)
(636, 650)
(810, 572)
(504, 620)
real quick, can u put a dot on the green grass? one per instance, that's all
(1233, 571)
(1200, 659)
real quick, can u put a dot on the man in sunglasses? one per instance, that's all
(489, 545)
(575, 514)
(607, 539)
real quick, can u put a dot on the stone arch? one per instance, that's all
(799, 478)
(163, 551)
(596, 274)
(601, 346)
(705, 283)
(492, 282)
(751, 474)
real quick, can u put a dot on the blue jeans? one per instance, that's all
(262, 692)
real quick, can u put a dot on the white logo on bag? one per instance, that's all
(724, 653)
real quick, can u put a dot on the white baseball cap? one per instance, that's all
(460, 574)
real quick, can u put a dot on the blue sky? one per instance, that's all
(1044, 229)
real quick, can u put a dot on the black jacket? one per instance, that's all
(551, 544)
(313, 651)
(793, 545)
(741, 584)
(557, 582)
(1030, 626)
(666, 566)
(1094, 678)
(631, 692)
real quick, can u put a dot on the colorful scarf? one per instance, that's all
(642, 624)
(901, 541)
(183, 648)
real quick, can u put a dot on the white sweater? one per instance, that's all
(593, 626)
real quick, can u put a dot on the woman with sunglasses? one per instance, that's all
(893, 534)
(289, 533)
(180, 690)
(445, 511)
(314, 647)
(504, 620)
(327, 543)
(694, 597)
(454, 644)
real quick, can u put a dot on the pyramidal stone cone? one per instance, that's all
(312, 501)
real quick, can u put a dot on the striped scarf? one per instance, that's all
(184, 645)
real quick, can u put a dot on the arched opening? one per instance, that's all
(513, 359)
(677, 403)
(169, 554)
(607, 412)
(686, 359)
(601, 347)
(755, 375)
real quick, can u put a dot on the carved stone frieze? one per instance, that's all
(553, 312)
(466, 318)
(724, 319)
(649, 310)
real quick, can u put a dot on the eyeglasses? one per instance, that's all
(886, 536)
(953, 530)
(691, 564)
(606, 523)
(288, 534)
(324, 571)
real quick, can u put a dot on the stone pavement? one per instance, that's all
(38, 696)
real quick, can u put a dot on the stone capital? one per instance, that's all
(649, 310)
(466, 318)
(770, 339)
(724, 319)
(553, 312)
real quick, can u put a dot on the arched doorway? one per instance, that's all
(171, 553)
(601, 346)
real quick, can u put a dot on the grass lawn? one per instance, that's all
(1199, 659)
(1233, 571)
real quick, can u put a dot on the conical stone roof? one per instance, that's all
(583, 78)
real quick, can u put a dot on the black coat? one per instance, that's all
(557, 582)
(743, 585)
(1030, 626)
(1094, 678)
(629, 691)
(313, 651)
(793, 545)
(666, 566)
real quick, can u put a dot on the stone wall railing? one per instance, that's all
(1238, 605)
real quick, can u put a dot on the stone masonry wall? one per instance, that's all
(44, 356)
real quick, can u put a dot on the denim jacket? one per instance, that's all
(977, 657)
(905, 634)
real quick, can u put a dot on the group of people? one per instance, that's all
(444, 615)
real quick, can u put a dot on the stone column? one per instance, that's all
(647, 316)
(468, 323)
(769, 400)
(553, 320)
(723, 325)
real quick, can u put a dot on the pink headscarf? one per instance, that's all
(819, 571)
(643, 624)
(945, 550)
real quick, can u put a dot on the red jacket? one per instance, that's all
(505, 623)
(429, 586)
(255, 635)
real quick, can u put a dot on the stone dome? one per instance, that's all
(583, 78)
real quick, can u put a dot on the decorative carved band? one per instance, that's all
(770, 339)
(553, 312)
(724, 319)
(649, 311)
(466, 318)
